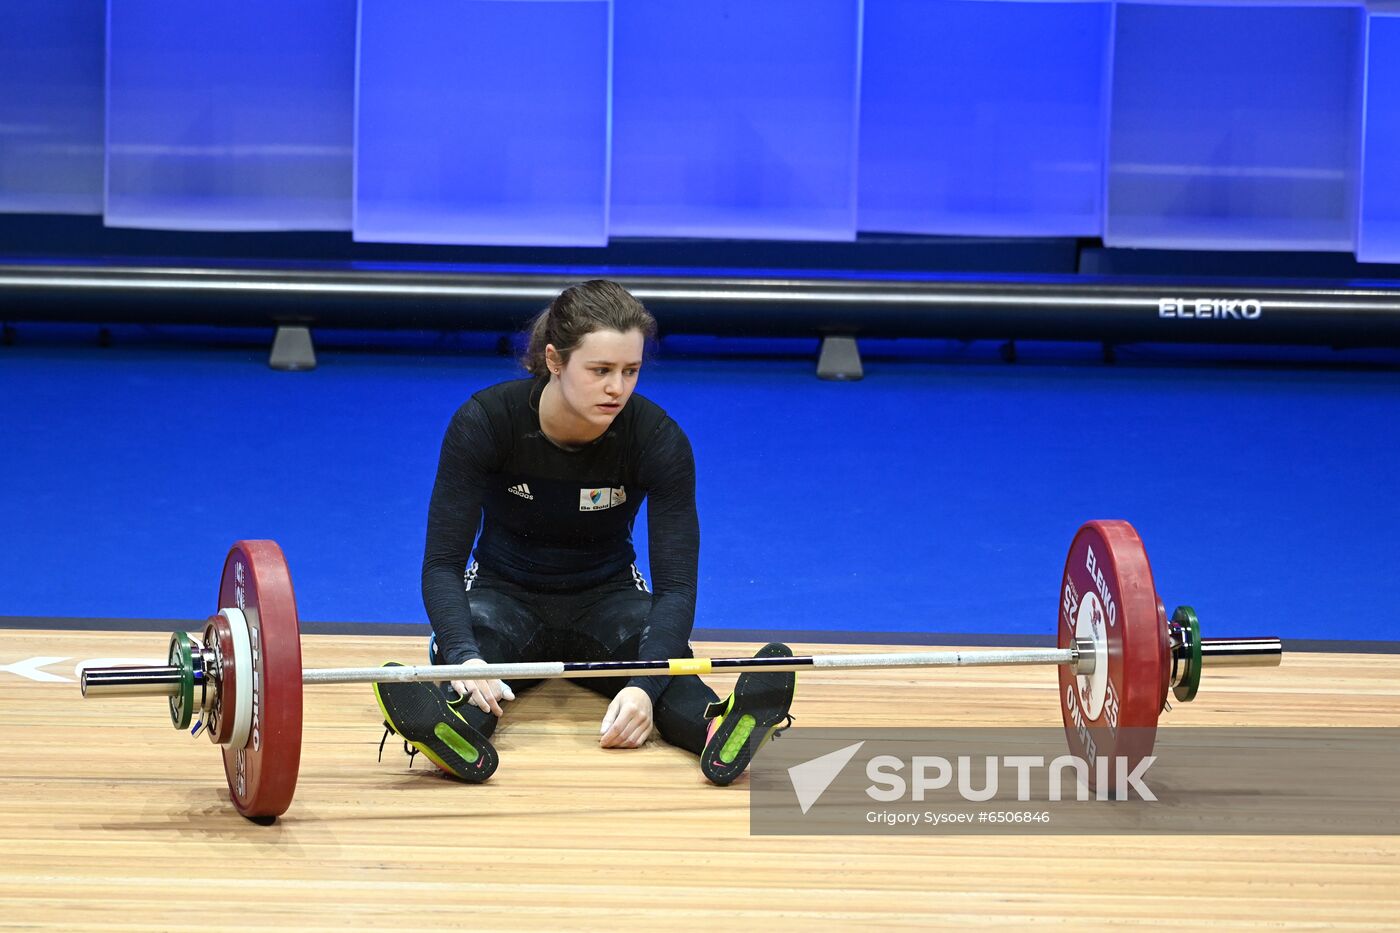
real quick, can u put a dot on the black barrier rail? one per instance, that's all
(996, 307)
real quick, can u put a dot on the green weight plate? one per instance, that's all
(1185, 691)
(182, 656)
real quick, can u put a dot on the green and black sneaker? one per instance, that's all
(422, 715)
(740, 725)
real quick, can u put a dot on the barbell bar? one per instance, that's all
(165, 680)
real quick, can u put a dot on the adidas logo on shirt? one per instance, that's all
(523, 491)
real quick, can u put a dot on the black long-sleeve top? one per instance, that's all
(559, 520)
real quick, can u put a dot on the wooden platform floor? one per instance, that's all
(110, 820)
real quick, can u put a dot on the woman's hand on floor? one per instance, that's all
(483, 694)
(627, 723)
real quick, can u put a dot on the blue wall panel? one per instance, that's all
(1206, 124)
(483, 121)
(1378, 232)
(51, 92)
(983, 117)
(229, 115)
(736, 119)
(1235, 127)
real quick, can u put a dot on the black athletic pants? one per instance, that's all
(514, 624)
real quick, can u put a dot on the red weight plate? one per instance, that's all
(262, 775)
(1108, 578)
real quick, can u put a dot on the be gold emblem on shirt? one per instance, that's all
(593, 500)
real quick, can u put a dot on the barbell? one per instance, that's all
(1118, 653)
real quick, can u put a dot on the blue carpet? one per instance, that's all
(940, 494)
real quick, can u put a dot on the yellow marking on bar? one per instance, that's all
(690, 665)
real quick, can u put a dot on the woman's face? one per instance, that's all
(600, 376)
